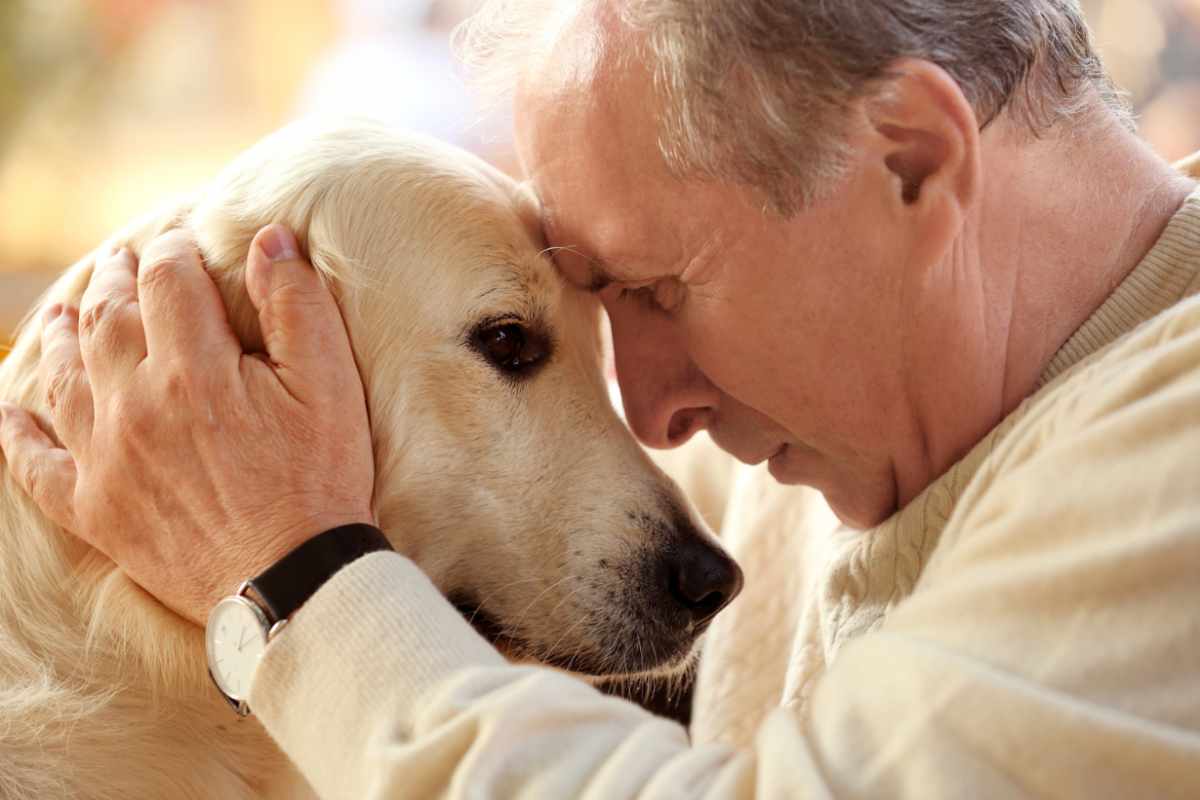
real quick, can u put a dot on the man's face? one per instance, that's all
(781, 337)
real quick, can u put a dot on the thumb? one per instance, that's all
(302, 328)
(45, 472)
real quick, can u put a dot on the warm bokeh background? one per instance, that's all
(109, 106)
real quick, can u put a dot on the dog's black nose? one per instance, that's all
(702, 579)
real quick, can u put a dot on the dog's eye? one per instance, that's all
(511, 347)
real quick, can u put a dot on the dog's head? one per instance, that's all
(502, 468)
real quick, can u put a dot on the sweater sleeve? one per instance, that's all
(1051, 648)
(380, 690)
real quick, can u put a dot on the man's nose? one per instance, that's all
(667, 398)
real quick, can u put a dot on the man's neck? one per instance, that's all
(1064, 222)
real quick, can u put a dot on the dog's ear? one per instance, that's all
(224, 223)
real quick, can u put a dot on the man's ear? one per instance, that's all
(928, 132)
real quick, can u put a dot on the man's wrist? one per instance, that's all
(281, 590)
(285, 585)
(371, 649)
(277, 536)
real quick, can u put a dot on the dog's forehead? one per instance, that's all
(507, 282)
(465, 251)
(504, 253)
(413, 223)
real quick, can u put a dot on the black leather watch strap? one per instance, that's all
(297, 576)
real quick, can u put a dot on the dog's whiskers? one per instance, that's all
(554, 648)
(521, 617)
(480, 604)
(545, 251)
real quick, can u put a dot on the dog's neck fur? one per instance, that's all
(103, 688)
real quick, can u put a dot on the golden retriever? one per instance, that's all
(501, 469)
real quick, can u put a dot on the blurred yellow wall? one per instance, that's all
(164, 95)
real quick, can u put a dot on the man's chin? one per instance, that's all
(855, 504)
(864, 510)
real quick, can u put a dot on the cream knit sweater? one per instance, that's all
(1029, 625)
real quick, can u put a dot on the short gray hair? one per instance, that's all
(755, 91)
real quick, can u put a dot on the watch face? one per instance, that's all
(236, 637)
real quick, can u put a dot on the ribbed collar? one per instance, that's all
(1168, 273)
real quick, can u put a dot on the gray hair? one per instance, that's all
(755, 91)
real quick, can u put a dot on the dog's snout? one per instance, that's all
(683, 579)
(702, 579)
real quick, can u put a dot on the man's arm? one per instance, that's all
(987, 683)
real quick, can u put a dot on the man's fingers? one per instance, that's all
(183, 312)
(302, 327)
(111, 339)
(46, 473)
(64, 379)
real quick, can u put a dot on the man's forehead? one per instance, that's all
(604, 242)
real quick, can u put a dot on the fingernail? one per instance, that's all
(51, 313)
(278, 244)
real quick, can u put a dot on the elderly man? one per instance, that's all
(907, 252)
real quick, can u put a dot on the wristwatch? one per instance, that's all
(240, 627)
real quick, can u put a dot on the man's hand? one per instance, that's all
(191, 464)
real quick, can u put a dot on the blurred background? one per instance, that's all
(108, 107)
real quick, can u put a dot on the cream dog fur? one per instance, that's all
(518, 490)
